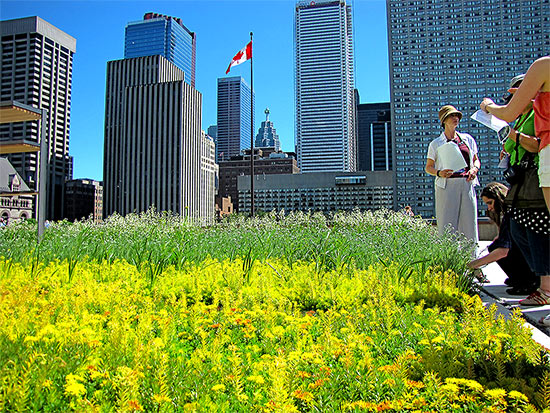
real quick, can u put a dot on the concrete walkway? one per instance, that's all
(494, 291)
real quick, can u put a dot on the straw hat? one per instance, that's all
(446, 111)
(514, 83)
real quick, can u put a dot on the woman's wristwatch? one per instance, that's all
(437, 173)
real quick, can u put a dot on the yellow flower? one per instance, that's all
(471, 384)
(190, 407)
(218, 387)
(159, 398)
(256, 379)
(495, 393)
(438, 339)
(306, 355)
(94, 374)
(389, 382)
(31, 339)
(516, 395)
(47, 383)
(75, 389)
(450, 387)
(157, 342)
(73, 386)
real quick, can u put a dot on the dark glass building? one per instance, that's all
(234, 112)
(374, 136)
(162, 35)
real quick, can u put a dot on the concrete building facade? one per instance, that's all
(208, 179)
(13, 207)
(324, 78)
(318, 191)
(36, 66)
(457, 53)
(266, 162)
(152, 148)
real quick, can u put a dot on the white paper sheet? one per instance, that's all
(450, 157)
(489, 120)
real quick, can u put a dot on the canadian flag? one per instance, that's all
(242, 56)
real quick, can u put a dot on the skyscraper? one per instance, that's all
(212, 131)
(374, 141)
(325, 121)
(208, 178)
(36, 70)
(152, 148)
(234, 112)
(454, 52)
(267, 135)
(167, 36)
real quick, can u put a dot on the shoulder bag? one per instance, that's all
(524, 191)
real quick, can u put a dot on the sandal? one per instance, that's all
(539, 297)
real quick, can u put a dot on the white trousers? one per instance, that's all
(456, 205)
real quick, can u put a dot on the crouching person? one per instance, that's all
(503, 250)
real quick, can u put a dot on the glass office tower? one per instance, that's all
(325, 110)
(234, 111)
(374, 144)
(162, 35)
(454, 52)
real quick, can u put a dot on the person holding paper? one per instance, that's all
(452, 159)
(529, 224)
(535, 85)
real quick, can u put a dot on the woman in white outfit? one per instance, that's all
(455, 195)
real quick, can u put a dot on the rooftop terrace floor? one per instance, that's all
(494, 291)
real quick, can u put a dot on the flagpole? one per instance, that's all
(251, 135)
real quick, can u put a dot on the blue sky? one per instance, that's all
(222, 28)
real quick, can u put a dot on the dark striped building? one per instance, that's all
(152, 138)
